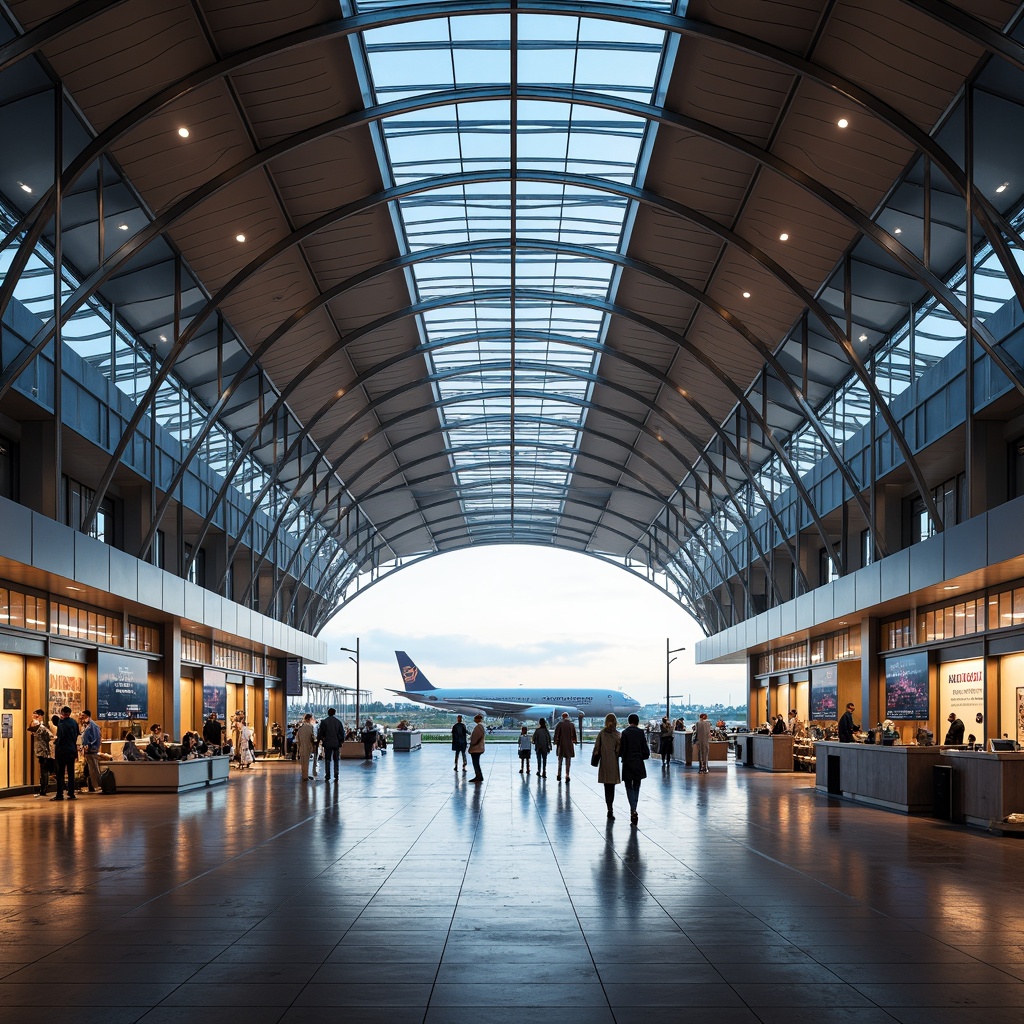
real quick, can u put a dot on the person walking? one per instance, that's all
(65, 750)
(331, 734)
(369, 737)
(477, 740)
(246, 757)
(460, 739)
(305, 745)
(525, 751)
(565, 745)
(606, 757)
(91, 740)
(702, 741)
(542, 745)
(634, 750)
(666, 742)
(42, 740)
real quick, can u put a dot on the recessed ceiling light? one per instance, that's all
(163, 337)
(784, 237)
(954, 587)
(1002, 188)
(24, 187)
(122, 227)
(843, 123)
(898, 231)
(340, 394)
(863, 337)
(76, 589)
(746, 295)
(239, 238)
(183, 132)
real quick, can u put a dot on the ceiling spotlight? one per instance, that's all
(863, 337)
(898, 231)
(784, 237)
(843, 123)
(122, 227)
(999, 188)
(746, 295)
(163, 337)
(951, 588)
(24, 187)
(183, 132)
(239, 238)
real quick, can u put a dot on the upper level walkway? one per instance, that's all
(406, 895)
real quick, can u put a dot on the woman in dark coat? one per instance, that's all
(666, 742)
(633, 750)
(460, 736)
(607, 748)
(542, 747)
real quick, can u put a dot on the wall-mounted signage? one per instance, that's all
(825, 694)
(907, 689)
(122, 687)
(962, 692)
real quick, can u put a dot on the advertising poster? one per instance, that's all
(1020, 714)
(962, 690)
(215, 695)
(906, 688)
(67, 685)
(122, 687)
(825, 694)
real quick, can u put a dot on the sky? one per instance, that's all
(500, 616)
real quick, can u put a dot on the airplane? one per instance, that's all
(517, 702)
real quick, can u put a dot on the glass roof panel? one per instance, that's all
(508, 374)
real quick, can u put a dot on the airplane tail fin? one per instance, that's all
(412, 678)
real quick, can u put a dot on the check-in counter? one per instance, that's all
(898, 778)
(986, 787)
(405, 740)
(772, 753)
(168, 776)
(717, 751)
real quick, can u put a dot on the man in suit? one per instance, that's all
(955, 734)
(846, 726)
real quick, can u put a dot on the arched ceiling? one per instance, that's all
(552, 273)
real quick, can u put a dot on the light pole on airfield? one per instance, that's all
(669, 651)
(355, 651)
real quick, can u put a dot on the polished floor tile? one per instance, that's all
(403, 895)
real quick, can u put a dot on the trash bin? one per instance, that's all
(942, 791)
(748, 751)
(833, 774)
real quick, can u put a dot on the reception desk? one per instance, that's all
(405, 740)
(771, 753)
(718, 750)
(168, 776)
(897, 778)
(986, 787)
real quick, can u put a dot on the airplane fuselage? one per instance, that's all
(540, 703)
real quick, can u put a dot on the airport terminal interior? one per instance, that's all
(726, 294)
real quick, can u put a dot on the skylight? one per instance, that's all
(514, 371)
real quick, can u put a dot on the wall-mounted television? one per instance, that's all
(907, 687)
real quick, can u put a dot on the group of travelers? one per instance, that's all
(630, 748)
(313, 742)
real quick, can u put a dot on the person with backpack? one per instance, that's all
(524, 751)
(42, 739)
(542, 745)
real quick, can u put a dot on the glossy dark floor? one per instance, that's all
(406, 894)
